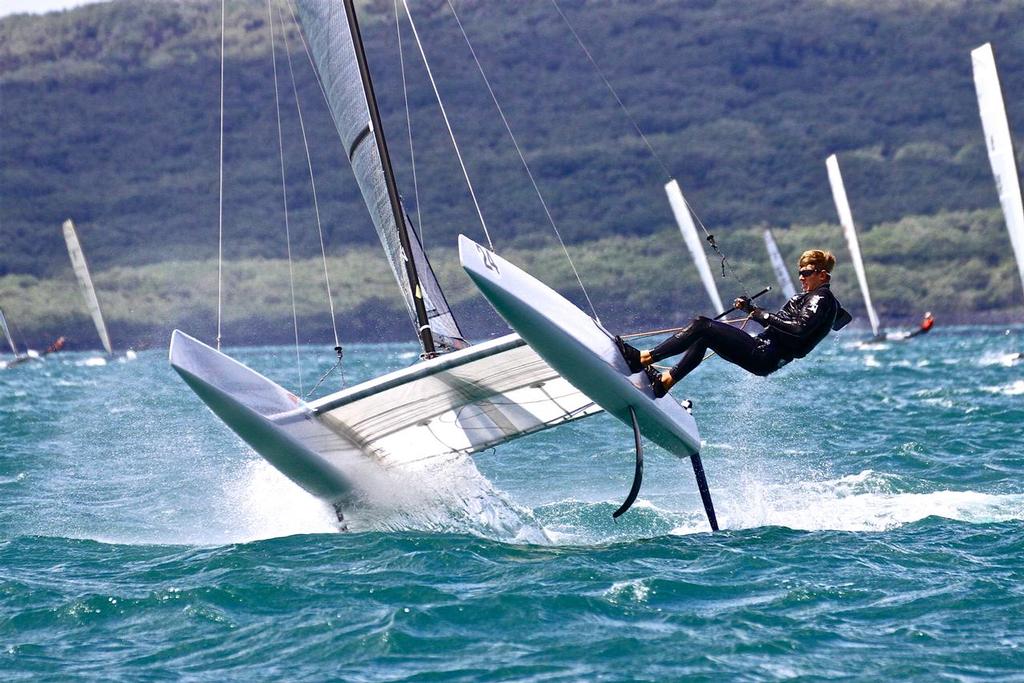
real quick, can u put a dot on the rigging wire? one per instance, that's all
(408, 124)
(725, 265)
(220, 191)
(312, 180)
(284, 193)
(522, 158)
(447, 123)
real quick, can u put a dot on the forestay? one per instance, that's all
(835, 179)
(85, 282)
(1000, 147)
(779, 265)
(693, 242)
(331, 43)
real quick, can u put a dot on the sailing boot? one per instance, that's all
(658, 386)
(630, 353)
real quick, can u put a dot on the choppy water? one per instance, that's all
(871, 501)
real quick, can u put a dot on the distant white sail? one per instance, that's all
(778, 265)
(693, 241)
(1000, 147)
(846, 219)
(85, 282)
(7, 333)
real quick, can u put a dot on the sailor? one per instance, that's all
(926, 324)
(790, 333)
(56, 346)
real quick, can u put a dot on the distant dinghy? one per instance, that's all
(85, 283)
(779, 265)
(1000, 147)
(684, 218)
(835, 179)
(19, 357)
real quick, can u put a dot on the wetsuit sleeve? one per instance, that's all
(816, 310)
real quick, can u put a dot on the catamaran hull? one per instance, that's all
(362, 442)
(578, 348)
(273, 421)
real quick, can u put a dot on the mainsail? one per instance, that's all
(835, 179)
(1000, 147)
(85, 282)
(778, 265)
(693, 242)
(333, 39)
(7, 333)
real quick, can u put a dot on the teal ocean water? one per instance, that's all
(871, 499)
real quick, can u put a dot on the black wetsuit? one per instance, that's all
(791, 333)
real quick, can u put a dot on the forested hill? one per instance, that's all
(110, 115)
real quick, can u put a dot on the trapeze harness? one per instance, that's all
(791, 333)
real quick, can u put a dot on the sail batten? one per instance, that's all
(1000, 147)
(333, 44)
(693, 242)
(85, 283)
(779, 265)
(835, 179)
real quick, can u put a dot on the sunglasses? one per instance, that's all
(807, 272)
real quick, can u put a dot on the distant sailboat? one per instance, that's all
(693, 242)
(835, 179)
(85, 283)
(1000, 147)
(375, 438)
(19, 357)
(779, 265)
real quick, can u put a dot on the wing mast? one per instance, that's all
(779, 265)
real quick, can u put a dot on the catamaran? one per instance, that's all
(19, 357)
(85, 286)
(458, 400)
(1000, 148)
(835, 179)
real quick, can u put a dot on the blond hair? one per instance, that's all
(818, 259)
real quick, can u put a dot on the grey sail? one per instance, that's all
(85, 283)
(331, 42)
(7, 333)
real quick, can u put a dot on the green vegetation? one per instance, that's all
(635, 283)
(109, 114)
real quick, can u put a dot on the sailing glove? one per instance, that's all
(744, 303)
